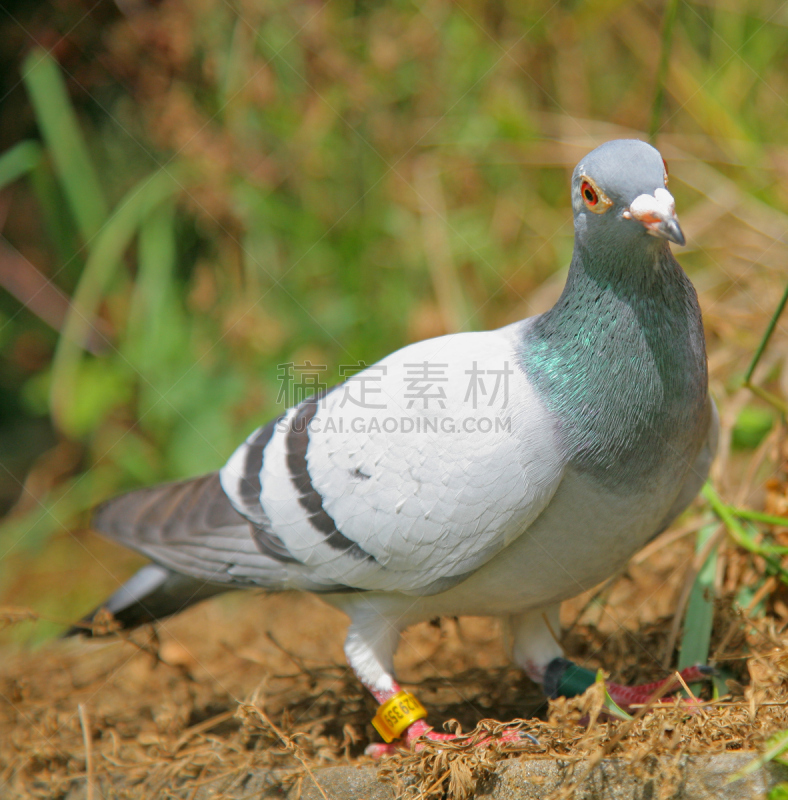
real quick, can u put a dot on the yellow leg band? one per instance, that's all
(396, 714)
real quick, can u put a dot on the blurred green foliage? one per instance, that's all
(752, 425)
(225, 187)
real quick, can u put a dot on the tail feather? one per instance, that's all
(152, 593)
(200, 544)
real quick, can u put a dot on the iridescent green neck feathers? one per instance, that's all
(620, 362)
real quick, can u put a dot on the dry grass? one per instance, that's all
(182, 710)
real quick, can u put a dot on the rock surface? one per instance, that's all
(692, 778)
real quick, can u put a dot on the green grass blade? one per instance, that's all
(726, 515)
(59, 224)
(104, 259)
(60, 130)
(18, 161)
(766, 336)
(610, 705)
(153, 300)
(662, 70)
(699, 618)
(759, 516)
(740, 534)
(757, 390)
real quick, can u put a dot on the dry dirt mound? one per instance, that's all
(210, 698)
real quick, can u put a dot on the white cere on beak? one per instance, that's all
(657, 214)
(657, 206)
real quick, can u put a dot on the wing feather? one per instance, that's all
(414, 496)
(190, 527)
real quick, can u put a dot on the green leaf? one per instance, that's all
(103, 385)
(699, 619)
(610, 705)
(104, 259)
(60, 130)
(18, 161)
(751, 427)
(778, 792)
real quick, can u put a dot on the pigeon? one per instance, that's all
(491, 473)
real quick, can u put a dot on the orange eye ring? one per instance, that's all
(590, 197)
(665, 164)
(594, 198)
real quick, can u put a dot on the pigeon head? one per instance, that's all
(619, 194)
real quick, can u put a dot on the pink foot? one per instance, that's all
(420, 732)
(626, 696)
(563, 678)
(409, 740)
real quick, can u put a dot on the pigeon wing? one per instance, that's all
(191, 528)
(405, 478)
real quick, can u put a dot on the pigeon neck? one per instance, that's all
(620, 361)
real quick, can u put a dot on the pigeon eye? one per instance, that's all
(589, 194)
(665, 164)
(594, 198)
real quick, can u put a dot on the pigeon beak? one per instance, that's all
(657, 214)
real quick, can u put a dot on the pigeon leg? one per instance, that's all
(412, 737)
(533, 643)
(631, 695)
(536, 651)
(369, 647)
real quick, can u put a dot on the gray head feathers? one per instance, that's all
(619, 194)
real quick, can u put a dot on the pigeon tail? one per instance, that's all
(150, 594)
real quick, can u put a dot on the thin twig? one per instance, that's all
(667, 539)
(84, 722)
(294, 658)
(601, 592)
(291, 745)
(196, 788)
(691, 694)
(768, 586)
(437, 783)
(201, 727)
